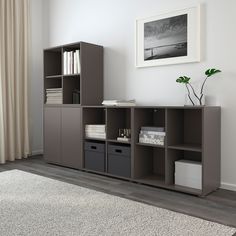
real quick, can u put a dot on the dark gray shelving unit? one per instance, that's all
(63, 134)
(90, 79)
(192, 133)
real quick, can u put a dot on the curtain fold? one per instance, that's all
(14, 114)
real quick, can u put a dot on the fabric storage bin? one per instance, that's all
(188, 173)
(119, 160)
(94, 156)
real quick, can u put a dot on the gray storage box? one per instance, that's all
(94, 156)
(119, 161)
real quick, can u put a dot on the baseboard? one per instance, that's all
(37, 152)
(228, 186)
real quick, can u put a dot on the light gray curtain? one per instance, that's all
(14, 50)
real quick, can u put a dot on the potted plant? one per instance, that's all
(186, 81)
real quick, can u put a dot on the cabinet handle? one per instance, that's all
(93, 147)
(118, 150)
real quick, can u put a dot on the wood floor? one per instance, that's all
(219, 206)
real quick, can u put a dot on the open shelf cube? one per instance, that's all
(154, 117)
(70, 60)
(175, 155)
(93, 116)
(49, 83)
(150, 165)
(71, 84)
(53, 62)
(80, 67)
(118, 118)
(185, 129)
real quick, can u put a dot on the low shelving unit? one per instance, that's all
(192, 133)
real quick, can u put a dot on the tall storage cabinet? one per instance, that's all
(63, 120)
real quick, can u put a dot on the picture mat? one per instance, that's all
(193, 38)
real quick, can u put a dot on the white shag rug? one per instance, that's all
(36, 205)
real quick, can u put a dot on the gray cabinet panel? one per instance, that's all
(52, 134)
(71, 135)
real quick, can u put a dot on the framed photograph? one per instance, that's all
(169, 38)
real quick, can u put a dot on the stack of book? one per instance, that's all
(54, 96)
(152, 135)
(95, 131)
(71, 62)
(119, 102)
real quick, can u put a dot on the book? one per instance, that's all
(151, 128)
(153, 132)
(119, 102)
(95, 136)
(65, 58)
(54, 89)
(77, 56)
(54, 96)
(71, 62)
(75, 69)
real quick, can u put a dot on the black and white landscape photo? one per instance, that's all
(166, 38)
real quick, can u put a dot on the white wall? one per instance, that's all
(111, 24)
(39, 39)
(36, 73)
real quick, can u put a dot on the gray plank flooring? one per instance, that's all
(219, 206)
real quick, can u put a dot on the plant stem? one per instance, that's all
(189, 95)
(195, 94)
(203, 84)
(201, 99)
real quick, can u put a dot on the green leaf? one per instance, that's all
(211, 72)
(183, 80)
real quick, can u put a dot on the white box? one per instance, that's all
(188, 174)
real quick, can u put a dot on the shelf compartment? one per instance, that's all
(70, 48)
(175, 155)
(117, 119)
(52, 83)
(93, 116)
(119, 159)
(70, 85)
(94, 158)
(53, 62)
(149, 161)
(186, 147)
(184, 126)
(153, 117)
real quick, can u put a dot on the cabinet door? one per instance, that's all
(52, 134)
(71, 137)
